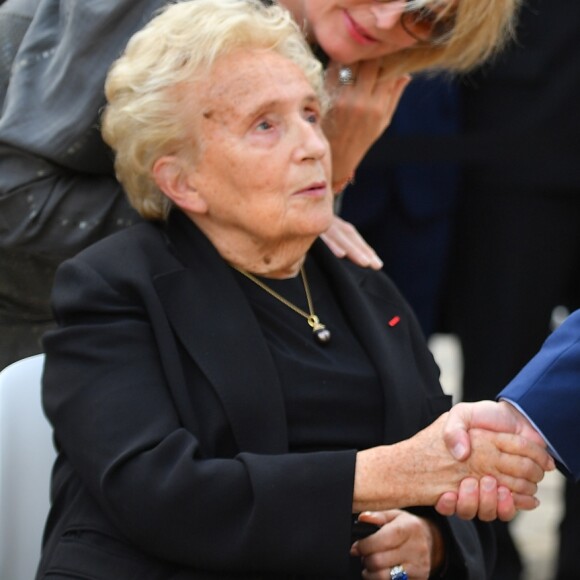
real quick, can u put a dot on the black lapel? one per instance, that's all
(387, 346)
(215, 323)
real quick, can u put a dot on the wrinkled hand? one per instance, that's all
(344, 241)
(485, 498)
(404, 539)
(359, 115)
(418, 470)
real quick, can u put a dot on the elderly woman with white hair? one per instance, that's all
(227, 395)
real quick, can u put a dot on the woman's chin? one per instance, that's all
(321, 227)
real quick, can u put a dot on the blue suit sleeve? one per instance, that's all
(548, 391)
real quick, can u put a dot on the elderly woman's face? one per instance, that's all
(354, 30)
(264, 165)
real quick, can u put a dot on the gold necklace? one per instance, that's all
(321, 333)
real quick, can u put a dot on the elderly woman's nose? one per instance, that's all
(312, 143)
(388, 14)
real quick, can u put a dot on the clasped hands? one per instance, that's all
(479, 459)
(521, 464)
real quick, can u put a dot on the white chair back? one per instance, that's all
(26, 458)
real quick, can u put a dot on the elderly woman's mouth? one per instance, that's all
(318, 188)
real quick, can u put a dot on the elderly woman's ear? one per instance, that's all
(176, 180)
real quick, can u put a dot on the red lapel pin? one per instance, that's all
(394, 321)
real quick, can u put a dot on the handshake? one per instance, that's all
(480, 459)
(505, 455)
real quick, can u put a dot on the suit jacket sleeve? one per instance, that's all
(547, 389)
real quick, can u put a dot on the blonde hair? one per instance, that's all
(481, 28)
(142, 120)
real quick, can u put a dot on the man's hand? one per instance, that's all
(485, 498)
(394, 475)
(499, 417)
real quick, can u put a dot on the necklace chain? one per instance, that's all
(319, 329)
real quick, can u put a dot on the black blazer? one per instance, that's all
(169, 419)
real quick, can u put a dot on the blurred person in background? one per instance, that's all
(517, 246)
(404, 198)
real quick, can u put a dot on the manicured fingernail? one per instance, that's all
(503, 493)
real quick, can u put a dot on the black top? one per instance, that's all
(332, 393)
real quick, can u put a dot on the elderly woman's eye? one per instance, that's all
(312, 117)
(264, 126)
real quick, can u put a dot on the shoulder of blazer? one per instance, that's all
(188, 295)
(143, 248)
(369, 281)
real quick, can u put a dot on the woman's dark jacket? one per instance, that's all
(170, 424)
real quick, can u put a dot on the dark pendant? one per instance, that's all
(322, 335)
